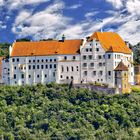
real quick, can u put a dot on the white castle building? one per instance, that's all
(83, 61)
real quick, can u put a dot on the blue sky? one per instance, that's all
(41, 19)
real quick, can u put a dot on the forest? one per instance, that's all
(58, 112)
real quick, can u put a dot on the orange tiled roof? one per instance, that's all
(42, 48)
(111, 42)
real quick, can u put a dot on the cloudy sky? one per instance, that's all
(41, 19)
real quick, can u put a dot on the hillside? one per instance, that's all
(136, 50)
(55, 112)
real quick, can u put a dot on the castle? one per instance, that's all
(89, 60)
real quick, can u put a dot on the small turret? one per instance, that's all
(121, 78)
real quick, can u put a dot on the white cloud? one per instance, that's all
(116, 3)
(75, 6)
(91, 14)
(17, 4)
(133, 7)
(1, 2)
(44, 24)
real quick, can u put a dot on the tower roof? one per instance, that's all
(121, 67)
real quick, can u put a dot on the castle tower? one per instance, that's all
(121, 78)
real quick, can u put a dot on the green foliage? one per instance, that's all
(136, 51)
(23, 39)
(55, 112)
(136, 89)
(4, 49)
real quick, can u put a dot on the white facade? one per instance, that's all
(92, 64)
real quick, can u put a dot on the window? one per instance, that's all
(29, 67)
(37, 66)
(33, 67)
(84, 57)
(62, 68)
(109, 56)
(99, 57)
(101, 72)
(17, 59)
(46, 60)
(65, 57)
(54, 60)
(37, 76)
(77, 68)
(54, 65)
(38, 61)
(84, 64)
(90, 57)
(46, 66)
(92, 64)
(29, 76)
(72, 77)
(22, 76)
(29, 61)
(109, 73)
(86, 49)
(50, 66)
(45, 75)
(42, 60)
(53, 74)
(94, 72)
(61, 76)
(85, 73)
(97, 49)
(15, 67)
(100, 64)
(90, 49)
(50, 60)
(67, 77)
(42, 67)
(13, 60)
(34, 61)
(67, 68)
(14, 76)
(72, 69)
(74, 58)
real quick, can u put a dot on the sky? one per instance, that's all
(76, 19)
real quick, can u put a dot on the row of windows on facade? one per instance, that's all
(67, 77)
(90, 49)
(85, 73)
(30, 76)
(92, 64)
(38, 67)
(69, 68)
(42, 60)
(89, 57)
(30, 61)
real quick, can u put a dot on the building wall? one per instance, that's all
(5, 71)
(92, 63)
